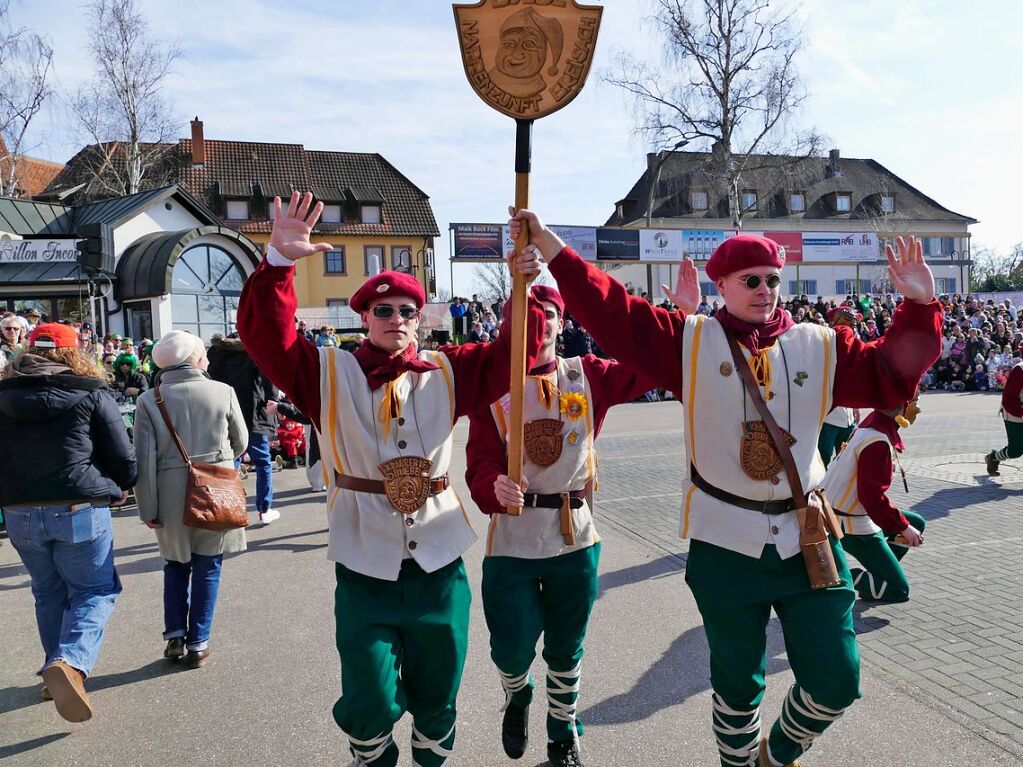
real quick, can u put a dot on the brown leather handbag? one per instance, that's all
(214, 496)
(814, 512)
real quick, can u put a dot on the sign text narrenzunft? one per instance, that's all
(38, 251)
(527, 58)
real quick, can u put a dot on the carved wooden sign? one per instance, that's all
(527, 58)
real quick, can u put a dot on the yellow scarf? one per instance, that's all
(390, 405)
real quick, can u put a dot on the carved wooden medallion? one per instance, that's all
(527, 58)
(542, 440)
(757, 455)
(407, 482)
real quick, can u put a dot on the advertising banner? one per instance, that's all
(841, 246)
(660, 245)
(582, 239)
(701, 243)
(38, 251)
(477, 241)
(792, 242)
(618, 244)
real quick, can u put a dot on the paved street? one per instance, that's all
(942, 677)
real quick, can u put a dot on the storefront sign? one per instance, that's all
(38, 251)
(617, 244)
(660, 245)
(477, 242)
(836, 247)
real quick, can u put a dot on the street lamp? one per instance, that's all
(404, 263)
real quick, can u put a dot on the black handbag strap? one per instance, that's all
(795, 484)
(170, 427)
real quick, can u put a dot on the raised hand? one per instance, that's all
(686, 295)
(908, 272)
(291, 232)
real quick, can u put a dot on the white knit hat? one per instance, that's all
(175, 347)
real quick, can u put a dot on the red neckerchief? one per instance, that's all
(886, 425)
(755, 336)
(380, 367)
(542, 370)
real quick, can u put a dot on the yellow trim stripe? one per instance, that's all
(502, 421)
(490, 534)
(692, 391)
(448, 381)
(827, 374)
(685, 520)
(331, 410)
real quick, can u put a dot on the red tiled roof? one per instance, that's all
(34, 174)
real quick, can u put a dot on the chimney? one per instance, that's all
(198, 144)
(834, 166)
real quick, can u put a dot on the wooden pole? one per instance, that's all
(520, 303)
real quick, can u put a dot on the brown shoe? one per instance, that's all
(992, 465)
(197, 658)
(763, 761)
(67, 686)
(45, 693)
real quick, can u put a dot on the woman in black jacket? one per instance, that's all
(61, 428)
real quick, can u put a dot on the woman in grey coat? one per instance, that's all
(207, 417)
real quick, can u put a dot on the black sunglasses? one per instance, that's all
(752, 281)
(383, 311)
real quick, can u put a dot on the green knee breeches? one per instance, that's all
(402, 646)
(523, 598)
(735, 595)
(881, 577)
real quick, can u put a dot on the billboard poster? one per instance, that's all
(792, 242)
(477, 241)
(582, 239)
(840, 246)
(660, 245)
(617, 244)
(699, 244)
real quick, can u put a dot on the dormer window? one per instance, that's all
(749, 200)
(698, 200)
(797, 202)
(887, 203)
(843, 202)
(331, 214)
(371, 214)
(237, 210)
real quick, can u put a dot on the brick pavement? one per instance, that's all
(960, 638)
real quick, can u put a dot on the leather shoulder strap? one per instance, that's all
(798, 494)
(170, 427)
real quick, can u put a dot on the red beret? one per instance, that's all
(550, 295)
(388, 285)
(53, 335)
(742, 252)
(843, 311)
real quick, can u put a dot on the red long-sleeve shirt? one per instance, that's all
(881, 374)
(1012, 394)
(266, 326)
(610, 384)
(874, 473)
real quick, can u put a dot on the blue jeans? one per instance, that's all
(188, 612)
(259, 453)
(70, 558)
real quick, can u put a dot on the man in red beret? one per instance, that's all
(839, 424)
(384, 416)
(738, 510)
(552, 549)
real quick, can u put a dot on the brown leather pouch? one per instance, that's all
(813, 543)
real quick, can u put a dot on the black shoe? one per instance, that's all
(992, 465)
(175, 648)
(198, 658)
(564, 754)
(515, 730)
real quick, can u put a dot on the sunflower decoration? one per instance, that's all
(574, 405)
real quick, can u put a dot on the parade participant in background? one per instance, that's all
(876, 532)
(738, 508)
(540, 572)
(128, 378)
(839, 424)
(397, 529)
(1012, 413)
(61, 428)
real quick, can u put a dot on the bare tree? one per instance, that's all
(122, 110)
(26, 60)
(727, 83)
(492, 281)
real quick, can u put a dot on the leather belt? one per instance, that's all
(361, 485)
(764, 507)
(553, 500)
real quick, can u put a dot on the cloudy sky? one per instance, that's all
(925, 87)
